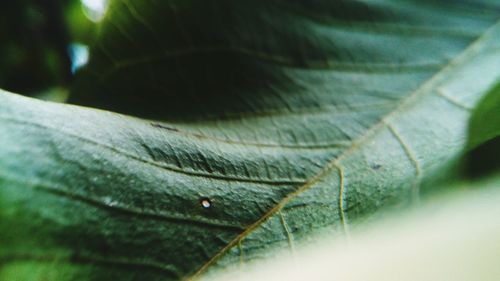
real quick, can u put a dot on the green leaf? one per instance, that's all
(220, 61)
(279, 120)
(484, 136)
(482, 160)
(485, 122)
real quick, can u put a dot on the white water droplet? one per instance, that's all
(205, 203)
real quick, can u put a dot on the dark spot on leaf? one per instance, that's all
(161, 126)
(376, 166)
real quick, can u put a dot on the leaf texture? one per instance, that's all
(455, 236)
(276, 120)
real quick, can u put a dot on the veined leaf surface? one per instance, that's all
(277, 119)
(456, 236)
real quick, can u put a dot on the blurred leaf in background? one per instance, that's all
(485, 128)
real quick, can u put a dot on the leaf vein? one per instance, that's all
(468, 52)
(97, 202)
(159, 164)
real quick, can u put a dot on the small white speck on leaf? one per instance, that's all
(205, 203)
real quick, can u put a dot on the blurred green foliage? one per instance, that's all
(35, 36)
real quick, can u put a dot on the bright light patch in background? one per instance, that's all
(79, 54)
(95, 9)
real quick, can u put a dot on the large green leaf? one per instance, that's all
(279, 119)
(222, 61)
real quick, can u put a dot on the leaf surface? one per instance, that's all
(456, 236)
(277, 120)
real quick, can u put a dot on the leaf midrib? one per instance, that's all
(466, 54)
